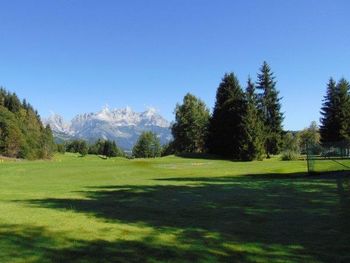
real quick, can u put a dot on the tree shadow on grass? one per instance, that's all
(37, 244)
(310, 213)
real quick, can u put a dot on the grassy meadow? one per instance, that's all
(171, 209)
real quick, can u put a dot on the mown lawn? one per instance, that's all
(171, 209)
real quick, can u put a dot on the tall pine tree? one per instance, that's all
(270, 107)
(227, 126)
(329, 128)
(335, 111)
(343, 113)
(254, 146)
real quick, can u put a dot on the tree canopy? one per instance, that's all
(147, 146)
(227, 129)
(22, 134)
(191, 125)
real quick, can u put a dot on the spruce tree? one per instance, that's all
(191, 125)
(227, 132)
(335, 111)
(83, 148)
(270, 107)
(343, 112)
(254, 146)
(329, 128)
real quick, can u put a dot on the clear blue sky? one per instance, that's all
(75, 56)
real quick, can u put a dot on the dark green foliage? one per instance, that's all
(335, 111)
(270, 108)
(191, 125)
(254, 146)
(110, 149)
(168, 149)
(106, 147)
(97, 147)
(11, 137)
(78, 146)
(101, 147)
(47, 144)
(83, 148)
(228, 135)
(61, 148)
(147, 146)
(22, 134)
(329, 128)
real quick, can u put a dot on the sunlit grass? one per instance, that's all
(73, 209)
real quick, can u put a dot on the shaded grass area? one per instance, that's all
(174, 210)
(36, 244)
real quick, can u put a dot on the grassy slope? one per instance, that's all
(171, 209)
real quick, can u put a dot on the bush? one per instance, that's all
(290, 155)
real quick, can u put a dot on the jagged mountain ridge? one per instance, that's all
(121, 125)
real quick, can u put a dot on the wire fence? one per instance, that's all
(327, 157)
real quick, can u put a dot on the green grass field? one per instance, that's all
(171, 209)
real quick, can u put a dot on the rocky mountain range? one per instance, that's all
(121, 125)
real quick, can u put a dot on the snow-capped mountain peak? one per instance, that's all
(57, 123)
(122, 125)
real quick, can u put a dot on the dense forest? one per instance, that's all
(22, 134)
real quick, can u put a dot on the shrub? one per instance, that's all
(289, 155)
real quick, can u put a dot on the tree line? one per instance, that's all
(106, 148)
(246, 124)
(22, 134)
(147, 146)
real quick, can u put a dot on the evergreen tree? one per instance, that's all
(61, 148)
(83, 148)
(227, 125)
(254, 146)
(168, 149)
(147, 146)
(110, 149)
(343, 111)
(329, 128)
(270, 107)
(191, 125)
(11, 138)
(22, 134)
(105, 147)
(335, 111)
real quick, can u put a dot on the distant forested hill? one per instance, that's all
(22, 134)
